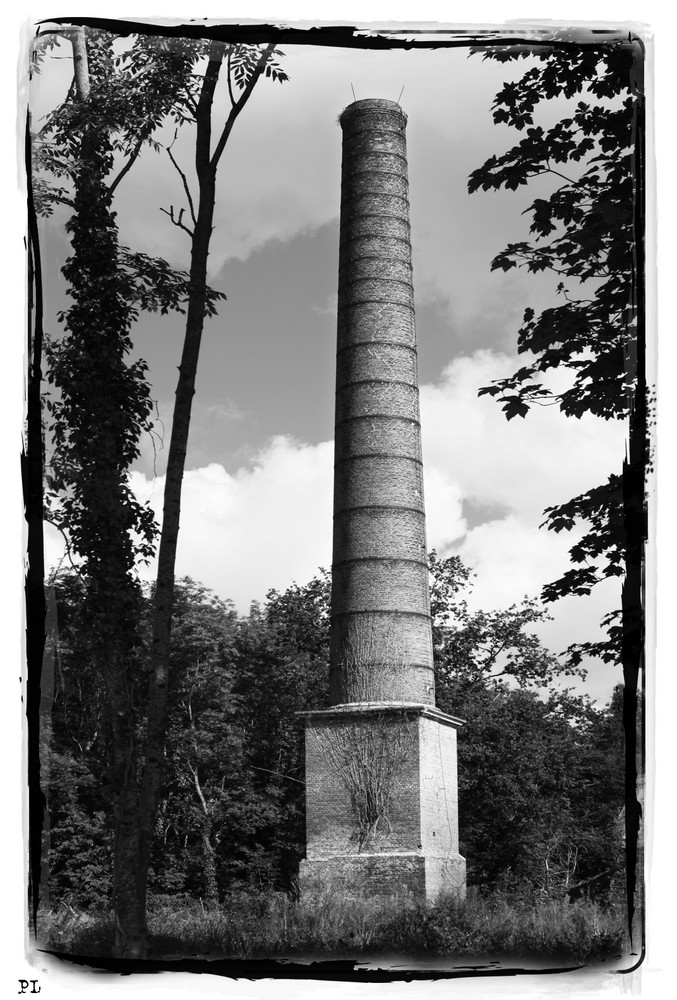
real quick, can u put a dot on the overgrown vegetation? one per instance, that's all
(367, 756)
(267, 924)
(587, 232)
(540, 779)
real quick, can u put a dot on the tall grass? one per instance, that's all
(327, 925)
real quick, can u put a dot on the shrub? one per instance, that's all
(329, 924)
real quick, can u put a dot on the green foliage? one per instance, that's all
(539, 794)
(81, 828)
(134, 87)
(283, 665)
(540, 781)
(104, 402)
(587, 232)
(257, 924)
(584, 230)
(242, 61)
(75, 765)
(210, 811)
(533, 807)
(483, 646)
(102, 405)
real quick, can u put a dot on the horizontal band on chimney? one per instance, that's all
(356, 195)
(376, 416)
(375, 343)
(377, 454)
(378, 612)
(347, 222)
(379, 279)
(343, 511)
(360, 154)
(395, 400)
(376, 381)
(376, 302)
(375, 132)
(381, 257)
(380, 559)
(385, 439)
(370, 585)
(377, 506)
(351, 124)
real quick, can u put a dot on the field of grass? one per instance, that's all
(256, 925)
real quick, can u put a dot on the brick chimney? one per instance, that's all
(381, 771)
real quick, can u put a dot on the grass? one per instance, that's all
(255, 925)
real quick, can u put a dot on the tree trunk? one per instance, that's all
(633, 593)
(130, 925)
(211, 889)
(36, 610)
(103, 420)
(185, 390)
(206, 165)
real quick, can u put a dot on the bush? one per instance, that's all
(265, 924)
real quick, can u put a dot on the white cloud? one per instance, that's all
(524, 464)
(261, 527)
(269, 522)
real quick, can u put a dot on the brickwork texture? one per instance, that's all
(420, 830)
(381, 785)
(381, 637)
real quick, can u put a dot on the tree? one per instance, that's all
(586, 231)
(486, 646)
(244, 66)
(539, 796)
(283, 669)
(540, 781)
(75, 758)
(141, 86)
(538, 801)
(209, 813)
(539, 777)
(590, 232)
(102, 408)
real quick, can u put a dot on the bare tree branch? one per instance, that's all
(199, 790)
(127, 167)
(177, 220)
(278, 774)
(228, 79)
(184, 180)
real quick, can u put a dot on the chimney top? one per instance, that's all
(371, 104)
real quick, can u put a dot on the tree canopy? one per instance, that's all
(540, 779)
(587, 231)
(121, 93)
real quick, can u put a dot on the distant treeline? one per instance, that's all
(540, 767)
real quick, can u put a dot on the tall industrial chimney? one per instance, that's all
(381, 632)
(381, 784)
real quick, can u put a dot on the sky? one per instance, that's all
(256, 511)
(657, 970)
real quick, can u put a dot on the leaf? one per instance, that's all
(582, 231)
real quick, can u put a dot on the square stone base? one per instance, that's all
(403, 756)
